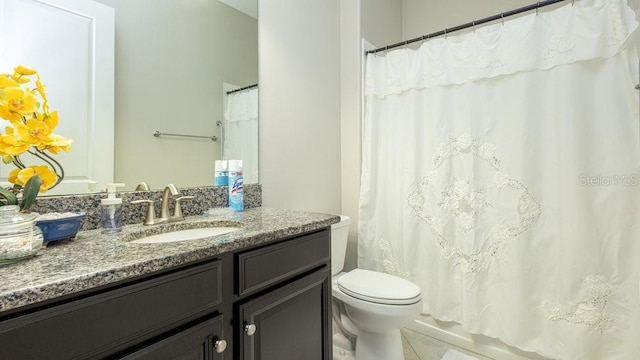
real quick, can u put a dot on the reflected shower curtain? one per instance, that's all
(241, 132)
(501, 173)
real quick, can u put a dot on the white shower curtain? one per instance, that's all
(241, 132)
(501, 173)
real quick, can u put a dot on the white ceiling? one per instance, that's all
(249, 7)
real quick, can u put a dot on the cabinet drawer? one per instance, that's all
(197, 342)
(105, 323)
(271, 264)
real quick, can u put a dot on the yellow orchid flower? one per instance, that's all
(40, 88)
(24, 70)
(54, 143)
(33, 131)
(21, 73)
(20, 101)
(7, 114)
(39, 133)
(51, 120)
(21, 79)
(7, 81)
(10, 145)
(13, 176)
(21, 176)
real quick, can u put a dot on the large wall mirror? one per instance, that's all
(175, 62)
(181, 67)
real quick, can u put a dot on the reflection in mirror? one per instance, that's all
(175, 61)
(240, 129)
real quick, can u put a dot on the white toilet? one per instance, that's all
(368, 305)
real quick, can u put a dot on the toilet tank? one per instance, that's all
(339, 237)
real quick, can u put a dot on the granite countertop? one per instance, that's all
(93, 259)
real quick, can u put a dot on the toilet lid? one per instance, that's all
(379, 287)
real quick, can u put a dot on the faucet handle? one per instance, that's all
(177, 210)
(151, 212)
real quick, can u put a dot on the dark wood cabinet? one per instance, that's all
(283, 310)
(290, 323)
(281, 290)
(104, 323)
(203, 341)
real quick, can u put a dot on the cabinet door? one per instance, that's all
(290, 323)
(200, 342)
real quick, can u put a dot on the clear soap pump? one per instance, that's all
(112, 210)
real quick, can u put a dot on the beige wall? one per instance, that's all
(421, 17)
(381, 21)
(300, 104)
(351, 112)
(171, 60)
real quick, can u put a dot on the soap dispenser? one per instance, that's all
(112, 210)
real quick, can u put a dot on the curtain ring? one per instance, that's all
(473, 23)
(502, 18)
(537, 8)
(445, 33)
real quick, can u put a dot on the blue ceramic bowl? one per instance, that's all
(59, 229)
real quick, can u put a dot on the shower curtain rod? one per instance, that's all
(472, 24)
(242, 88)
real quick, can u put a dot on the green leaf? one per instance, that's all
(31, 189)
(12, 199)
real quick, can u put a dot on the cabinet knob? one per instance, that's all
(220, 346)
(250, 329)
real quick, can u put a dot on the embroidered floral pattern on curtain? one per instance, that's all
(483, 155)
(466, 200)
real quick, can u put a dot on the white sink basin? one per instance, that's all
(185, 235)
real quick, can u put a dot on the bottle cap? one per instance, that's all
(111, 198)
(221, 165)
(235, 165)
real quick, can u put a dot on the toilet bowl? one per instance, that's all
(369, 305)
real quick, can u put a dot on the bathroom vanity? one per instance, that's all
(261, 292)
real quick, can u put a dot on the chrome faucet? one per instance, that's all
(151, 219)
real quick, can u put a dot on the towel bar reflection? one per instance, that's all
(212, 138)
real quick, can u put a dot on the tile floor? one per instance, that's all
(421, 347)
